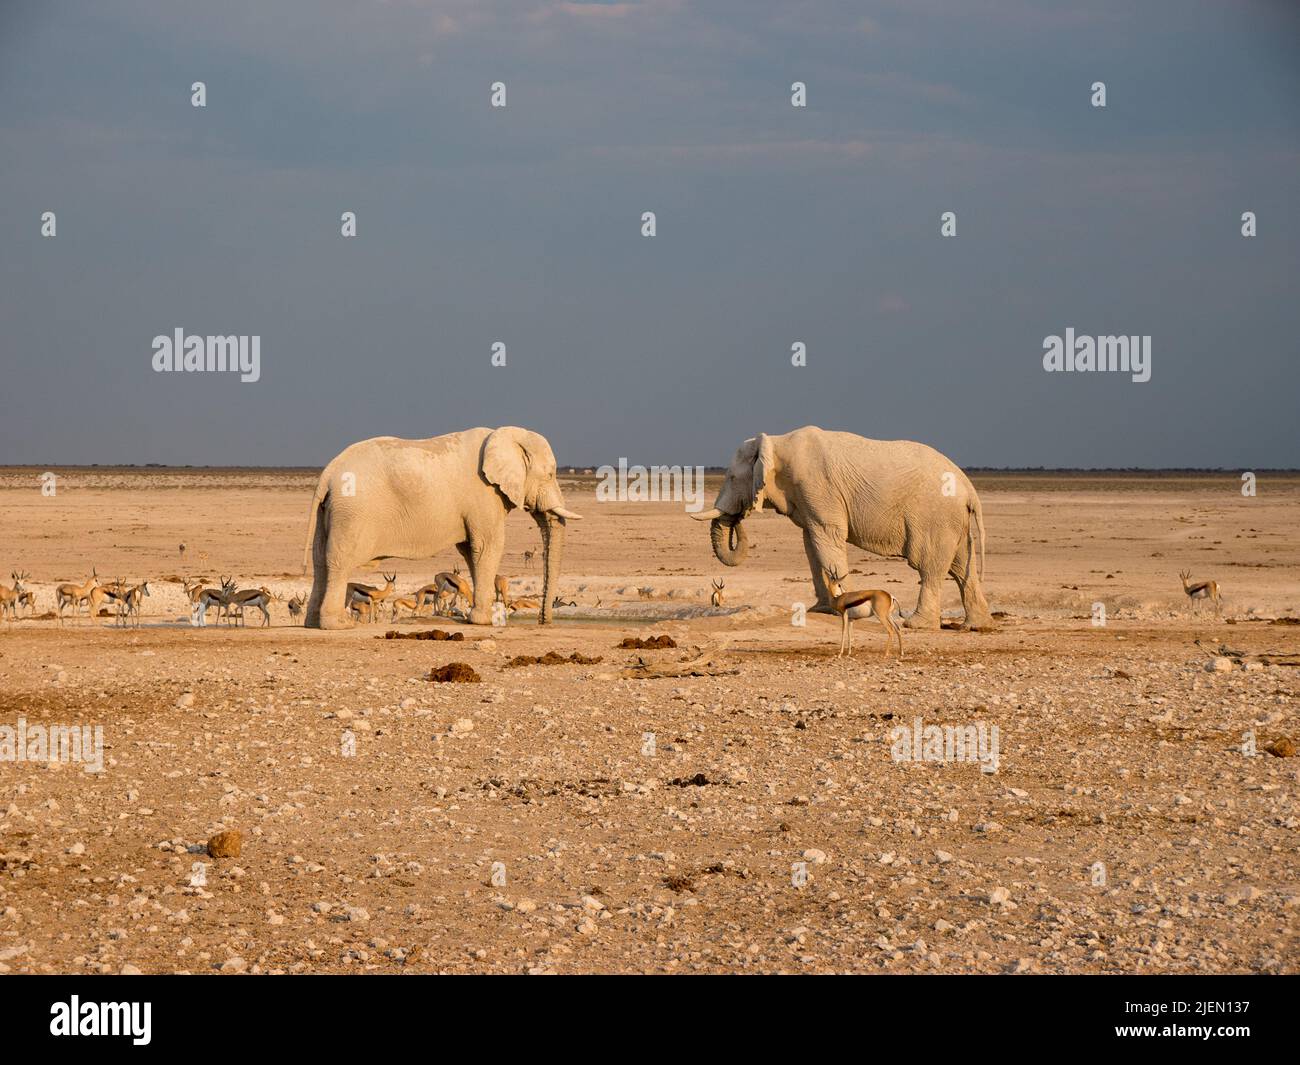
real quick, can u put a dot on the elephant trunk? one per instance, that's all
(732, 547)
(552, 529)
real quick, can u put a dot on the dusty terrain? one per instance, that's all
(767, 828)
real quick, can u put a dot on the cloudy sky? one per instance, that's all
(775, 225)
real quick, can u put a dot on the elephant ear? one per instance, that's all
(505, 462)
(764, 470)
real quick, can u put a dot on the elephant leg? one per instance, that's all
(976, 608)
(333, 558)
(482, 554)
(926, 614)
(826, 551)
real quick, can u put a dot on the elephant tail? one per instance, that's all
(976, 521)
(317, 502)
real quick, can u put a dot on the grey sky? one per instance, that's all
(775, 225)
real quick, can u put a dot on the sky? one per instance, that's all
(775, 225)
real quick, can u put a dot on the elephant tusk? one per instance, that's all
(708, 515)
(567, 515)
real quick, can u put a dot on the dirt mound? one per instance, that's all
(653, 643)
(454, 673)
(552, 658)
(430, 634)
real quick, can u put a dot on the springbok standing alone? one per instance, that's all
(716, 598)
(295, 606)
(853, 605)
(1200, 590)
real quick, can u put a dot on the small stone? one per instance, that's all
(1281, 748)
(815, 856)
(234, 965)
(1219, 665)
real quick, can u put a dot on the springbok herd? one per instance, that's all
(448, 594)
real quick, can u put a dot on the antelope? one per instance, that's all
(716, 598)
(73, 594)
(370, 593)
(258, 598)
(27, 599)
(454, 587)
(362, 606)
(407, 602)
(853, 605)
(114, 593)
(1201, 590)
(528, 557)
(11, 597)
(295, 606)
(557, 602)
(203, 598)
(128, 604)
(182, 552)
(502, 584)
(524, 603)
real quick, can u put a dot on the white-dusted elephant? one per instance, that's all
(892, 497)
(392, 498)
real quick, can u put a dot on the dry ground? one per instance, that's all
(1116, 747)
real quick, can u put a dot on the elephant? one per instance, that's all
(894, 498)
(392, 498)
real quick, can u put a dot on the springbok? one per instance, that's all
(11, 597)
(27, 598)
(257, 598)
(128, 604)
(370, 593)
(524, 603)
(502, 585)
(362, 608)
(528, 557)
(202, 598)
(295, 606)
(1200, 590)
(452, 588)
(404, 602)
(73, 594)
(716, 598)
(853, 605)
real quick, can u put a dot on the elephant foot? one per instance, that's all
(480, 615)
(979, 622)
(922, 621)
(332, 621)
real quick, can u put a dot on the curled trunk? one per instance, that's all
(730, 544)
(552, 529)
